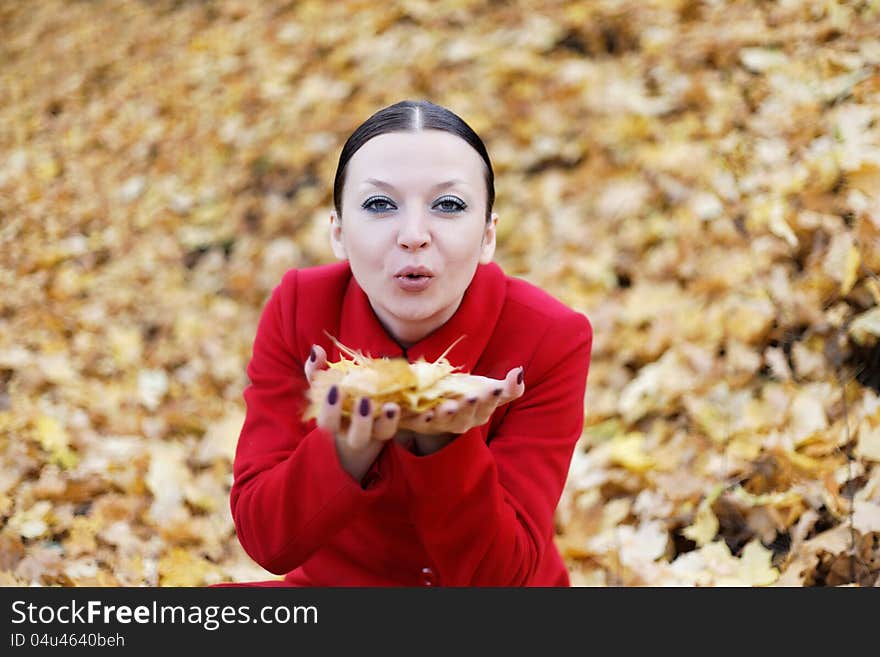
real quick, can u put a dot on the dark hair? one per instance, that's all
(411, 116)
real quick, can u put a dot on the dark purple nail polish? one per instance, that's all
(364, 407)
(519, 377)
(333, 395)
(472, 400)
(496, 392)
(429, 418)
(389, 413)
(312, 355)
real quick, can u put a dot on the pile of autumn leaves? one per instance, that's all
(700, 182)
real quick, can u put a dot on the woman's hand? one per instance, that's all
(439, 426)
(425, 433)
(365, 436)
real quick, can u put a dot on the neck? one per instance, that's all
(407, 333)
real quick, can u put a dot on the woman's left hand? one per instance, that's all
(439, 426)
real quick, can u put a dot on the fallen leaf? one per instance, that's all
(868, 446)
(705, 526)
(627, 451)
(866, 517)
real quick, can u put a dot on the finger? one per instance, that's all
(317, 360)
(385, 426)
(361, 426)
(521, 381)
(464, 418)
(330, 415)
(448, 409)
(424, 422)
(487, 405)
(446, 416)
(514, 385)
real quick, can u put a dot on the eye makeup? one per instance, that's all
(375, 204)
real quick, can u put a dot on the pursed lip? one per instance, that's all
(414, 271)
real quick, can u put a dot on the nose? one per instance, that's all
(414, 232)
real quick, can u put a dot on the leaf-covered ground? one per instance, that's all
(702, 179)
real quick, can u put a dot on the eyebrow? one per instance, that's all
(387, 185)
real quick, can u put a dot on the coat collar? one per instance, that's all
(474, 319)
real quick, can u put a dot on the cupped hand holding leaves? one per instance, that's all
(365, 402)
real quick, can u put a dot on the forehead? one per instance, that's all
(415, 157)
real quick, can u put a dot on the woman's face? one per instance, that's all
(414, 227)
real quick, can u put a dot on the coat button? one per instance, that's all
(429, 578)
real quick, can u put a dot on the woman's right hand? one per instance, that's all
(361, 443)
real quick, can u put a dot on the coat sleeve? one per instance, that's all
(289, 494)
(485, 512)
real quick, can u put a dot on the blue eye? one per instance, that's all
(369, 204)
(457, 205)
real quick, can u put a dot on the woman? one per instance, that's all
(468, 498)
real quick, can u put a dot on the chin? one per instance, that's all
(415, 311)
(414, 314)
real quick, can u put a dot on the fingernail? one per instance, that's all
(450, 411)
(312, 355)
(472, 400)
(496, 392)
(389, 413)
(365, 407)
(429, 418)
(519, 377)
(333, 395)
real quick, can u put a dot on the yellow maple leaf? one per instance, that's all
(868, 446)
(766, 499)
(866, 516)
(865, 327)
(705, 525)
(32, 522)
(842, 261)
(627, 451)
(754, 565)
(179, 567)
(867, 234)
(54, 439)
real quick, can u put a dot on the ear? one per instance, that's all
(336, 241)
(487, 249)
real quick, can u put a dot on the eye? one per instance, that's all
(378, 204)
(451, 204)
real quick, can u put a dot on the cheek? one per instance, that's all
(464, 245)
(367, 245)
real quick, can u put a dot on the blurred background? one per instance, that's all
(701, 179)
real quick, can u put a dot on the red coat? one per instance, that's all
(479, 512)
